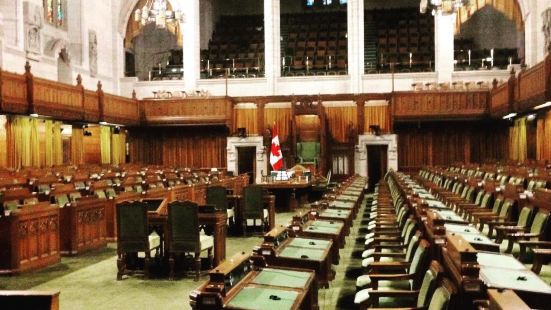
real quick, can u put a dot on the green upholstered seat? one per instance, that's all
(30, 201)
(184, 235)
(44, 189)
(11, 205)
(110, 192)
(61, 200)
(308, 152)
(100, 194)
(216, 196)
(133, 235)
(75, 196)
(440, 299)
(80, 186)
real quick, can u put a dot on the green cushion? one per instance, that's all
(253, 202)
(183, 226)
(111, 192)
(440, 299)
(427, 288)
(308, 151)
(100, 194)
(524, 216)
(61, 200)
(539, 222)
(133, 233)
(216, 195)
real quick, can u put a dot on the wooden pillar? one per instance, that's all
(81, 88)
(30, 95)
(360, 112)
(100, 102)
(260, 103)
(1, 96)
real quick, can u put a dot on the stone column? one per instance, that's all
(192, 40)
(444, 26)
(272, 44)
(355, 33)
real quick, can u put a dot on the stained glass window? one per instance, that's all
(54, 12)
(309, 2)
(49, 8)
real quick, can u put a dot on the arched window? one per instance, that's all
(55, 12)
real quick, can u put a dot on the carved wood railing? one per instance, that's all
(211, 111)
(502, 97)
(13, 93)
(533, 86)
(53, 98)
(120, 110)
(440, 105)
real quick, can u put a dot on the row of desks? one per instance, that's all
(471, 258)
(284, 272)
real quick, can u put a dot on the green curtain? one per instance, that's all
(105, 143)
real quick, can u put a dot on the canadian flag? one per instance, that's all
(276, 158)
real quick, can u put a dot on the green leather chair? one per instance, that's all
(308, 152)
(217, 196)
(253, 206)
(133, 236)
(403, 298)
(184, 235)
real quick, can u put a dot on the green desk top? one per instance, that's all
(282, 277)
(459, 228)
(341, 204)
(310, 243)
(497, 260)
(322, 223)
(296, 252)
(336, 211)
(450, 215)
(259, 298)
(476, 238)
(522, 280)
(322, 229)
(435, 204)
(342, 215)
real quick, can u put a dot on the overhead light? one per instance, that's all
(544, 105)
(103, 123)
(33, 115)
(510, 115)
(531, 117)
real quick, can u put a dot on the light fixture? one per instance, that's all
(543, 105)
(446, 7)
(531, 117)
(157, 11)
(33, 115)
(510, 115)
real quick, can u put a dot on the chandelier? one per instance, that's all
(443, 6)
(157, 11)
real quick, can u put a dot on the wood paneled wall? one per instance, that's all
(440, 143)
(92, 146)
(179, 146)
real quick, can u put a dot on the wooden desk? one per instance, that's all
(83, 226)
(29, 239)
(280, 249)
(322, 229)
(286, 193)
(241, 284)
(217, 220)
(505, 299)
(36, 300)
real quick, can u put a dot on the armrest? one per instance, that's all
(383, 239)
(381, 254)
(536, 244)
(393, 293)
(511, 228)
(387, 265)
(521, 235)
(396, 246)
(381, 277)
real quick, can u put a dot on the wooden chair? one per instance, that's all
(393, 298)
(184, 236)
(253, 206)
(133, 236)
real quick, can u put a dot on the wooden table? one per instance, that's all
(240, 284)
(38, 300)
(217, 220)
(29, 239)
(286, 193)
